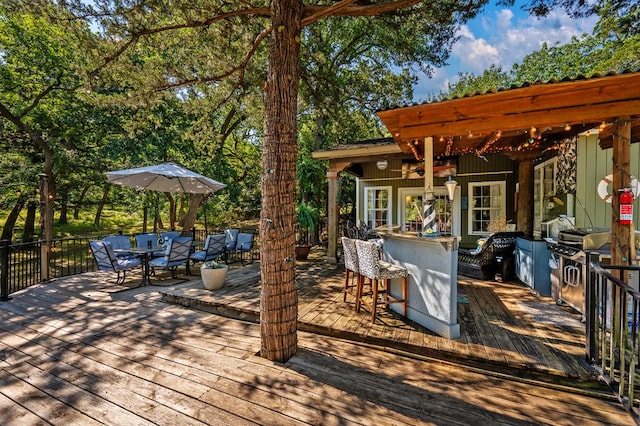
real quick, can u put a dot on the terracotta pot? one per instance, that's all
(302, 251)
(213, 279)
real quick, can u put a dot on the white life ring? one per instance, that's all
(604, 183)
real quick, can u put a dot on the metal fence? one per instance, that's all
(21, 264)
(612, 327)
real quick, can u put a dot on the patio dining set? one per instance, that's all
(167, 250)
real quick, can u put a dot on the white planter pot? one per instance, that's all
(213, 279)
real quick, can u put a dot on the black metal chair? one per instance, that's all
(244, 244)
(495, 256)
(108, 261)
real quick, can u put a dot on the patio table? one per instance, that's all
(145, 254)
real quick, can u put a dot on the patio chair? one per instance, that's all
(495, 255)
(150, 241)
(214, 248)
(176, 254)
(379, 272)
(166, 236)
(119, 242)
(231, 238)
(244, 244)
(351, 268)
(108, 261)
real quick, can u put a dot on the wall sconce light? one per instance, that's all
(567, 127)
(451, 187)
(602, 125)
(382, 164)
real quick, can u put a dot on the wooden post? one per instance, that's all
(428, 201)
(621, 238)
(335, 183)
(524, 215)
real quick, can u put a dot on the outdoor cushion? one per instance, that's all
(214, 247)
(177, 253)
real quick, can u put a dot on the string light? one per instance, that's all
(449, 147)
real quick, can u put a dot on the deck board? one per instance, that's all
(73, 353)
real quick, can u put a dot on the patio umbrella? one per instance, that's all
(165, 177)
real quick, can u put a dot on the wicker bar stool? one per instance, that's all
(351, 267)
(380, 272)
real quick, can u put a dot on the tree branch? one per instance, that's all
(314, 13)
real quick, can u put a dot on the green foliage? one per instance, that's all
(307, 216)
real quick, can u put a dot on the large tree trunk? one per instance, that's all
(79, 201)
(195, 201)
(30, 222)
(64, 207)
(172, 210)
(10, 223)
(105, 197)
(279, 297)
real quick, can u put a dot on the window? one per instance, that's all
(377, 206)
(543, 188)
(411, 209)
(486, 201)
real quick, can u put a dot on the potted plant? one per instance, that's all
(213, 274)
(307, 217)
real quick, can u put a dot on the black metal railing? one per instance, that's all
(21, 264)
(612, 327)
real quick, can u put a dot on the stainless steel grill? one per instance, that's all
(571, 253)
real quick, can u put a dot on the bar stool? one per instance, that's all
(379, 272)
(350, 268)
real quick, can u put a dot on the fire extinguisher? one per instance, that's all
(626, 207)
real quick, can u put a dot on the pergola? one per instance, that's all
(521, 122)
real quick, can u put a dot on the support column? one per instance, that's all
(333, 208)
(428, 200)
(524, 212)
(623, 242)
(525, 200)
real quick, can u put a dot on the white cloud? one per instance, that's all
(475, 54)
(502, 37)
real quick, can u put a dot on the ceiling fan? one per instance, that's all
(419, 169)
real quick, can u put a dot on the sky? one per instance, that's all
(501, 36)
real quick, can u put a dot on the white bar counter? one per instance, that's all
(432, 263)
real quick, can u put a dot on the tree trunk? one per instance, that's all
(279, 297)
(172, 210)
(145, 218)
(103, 201)
(64, 208)
(76, 208)
(30, 222)
(10, 223)
(195, 201)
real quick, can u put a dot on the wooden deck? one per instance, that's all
(504, 326)
(74, 351)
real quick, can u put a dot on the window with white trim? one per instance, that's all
(377, 206)
(486, 202)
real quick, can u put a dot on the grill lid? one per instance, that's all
(586, 238)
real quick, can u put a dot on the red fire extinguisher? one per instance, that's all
(626, 207)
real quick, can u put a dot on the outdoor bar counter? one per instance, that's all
(432, 263)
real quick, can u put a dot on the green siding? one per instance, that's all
(470, 169)
(594, 164)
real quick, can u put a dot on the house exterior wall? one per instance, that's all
(593, 164)
(470, 168)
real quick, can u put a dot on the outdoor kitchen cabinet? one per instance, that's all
(532, 264)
